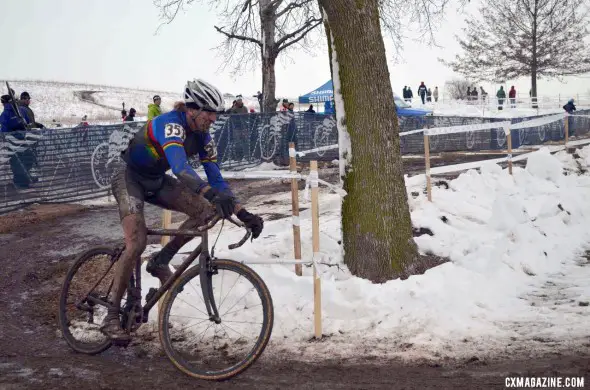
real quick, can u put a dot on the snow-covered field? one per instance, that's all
(516, 281)
(62, 102)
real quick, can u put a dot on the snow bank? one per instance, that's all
(505, 237)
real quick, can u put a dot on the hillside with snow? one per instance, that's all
(67, 103)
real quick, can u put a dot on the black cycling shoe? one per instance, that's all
(111, 327)
(160, 271)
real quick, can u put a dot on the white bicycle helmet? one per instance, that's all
(200, 94)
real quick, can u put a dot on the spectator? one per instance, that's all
(291, 106)
(405, 93)
(123, 114)
(238, 106)
(484, 94)
(259, 97)
(55, 124)
(24, 102)
(131, 116)
(474, 93)
(468, 93)
(422, 91)
(310, 109)
(154, 109)
(429, 95)
(84, 122)
(501, 95)
(410, 94)
(435, 94)
(569, 106)
(512, 96)
(285, 105)
(20, 162)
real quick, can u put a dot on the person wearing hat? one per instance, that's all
(24, 102)
(129, 118)
(154, 109)
(238, 106)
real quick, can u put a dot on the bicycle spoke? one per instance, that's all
(244, 322)
(238, 301)
(200, 294)
(200, 322)
(230, 328)
(237, 310)
(205, 331)
(195, 318)
(232, 287)
(194, 307)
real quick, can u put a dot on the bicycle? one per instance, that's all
(83, 334)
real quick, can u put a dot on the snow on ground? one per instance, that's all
(515, 280)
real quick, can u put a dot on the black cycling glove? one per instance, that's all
(224, 203)
(253, 222)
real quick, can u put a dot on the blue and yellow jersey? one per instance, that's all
(166, 143)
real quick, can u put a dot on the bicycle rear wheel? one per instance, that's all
(203, 349)
(79, 317)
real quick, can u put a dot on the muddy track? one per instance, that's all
(35, 257)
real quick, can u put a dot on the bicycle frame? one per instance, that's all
(204, 260)
(205, 271)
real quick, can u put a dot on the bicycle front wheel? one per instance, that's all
(204, 349)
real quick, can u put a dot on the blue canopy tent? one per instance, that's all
(321, 94)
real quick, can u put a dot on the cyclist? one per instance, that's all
(165, 143)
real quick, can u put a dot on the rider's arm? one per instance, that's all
(208, 157)
(172, 141)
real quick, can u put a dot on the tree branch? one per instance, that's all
(306, 26)
(239, 37)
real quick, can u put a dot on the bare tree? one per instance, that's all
(376, 225)
(525, 38)
(457, 88)
(257, 31)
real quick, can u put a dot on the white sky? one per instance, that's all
(113, 42)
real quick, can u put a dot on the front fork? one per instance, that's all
(206, 273)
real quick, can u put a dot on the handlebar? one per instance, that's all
(236, 222)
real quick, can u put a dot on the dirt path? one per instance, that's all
(35, 257)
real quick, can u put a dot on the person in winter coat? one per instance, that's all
(310, 109)
(24, 102)
(154, 109)
(238, 107)
(429, 95)
(405, 92)
(569, 106)
(410, 95)
(474, 93)
(20, 162)
(259, 97)
(131, 116)
(512, 97)
(501, 95)
(84, 122)
(483, 93)
(468, 93)
(435, 94)
(422, 91)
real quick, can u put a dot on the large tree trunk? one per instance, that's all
(269, 56)
(376, 225)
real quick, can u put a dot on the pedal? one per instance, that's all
(151, 294)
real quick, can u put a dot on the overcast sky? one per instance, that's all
(114, 42)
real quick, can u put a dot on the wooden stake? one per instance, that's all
(315, 233)
(166, 222)
(295, 208)
(566, 125)
(509, 139)
(427, 165)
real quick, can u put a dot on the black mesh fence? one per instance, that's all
(59, 165)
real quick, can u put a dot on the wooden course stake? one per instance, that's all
(315, 232)
(295, 208)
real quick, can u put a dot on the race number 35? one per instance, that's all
(173, 130)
